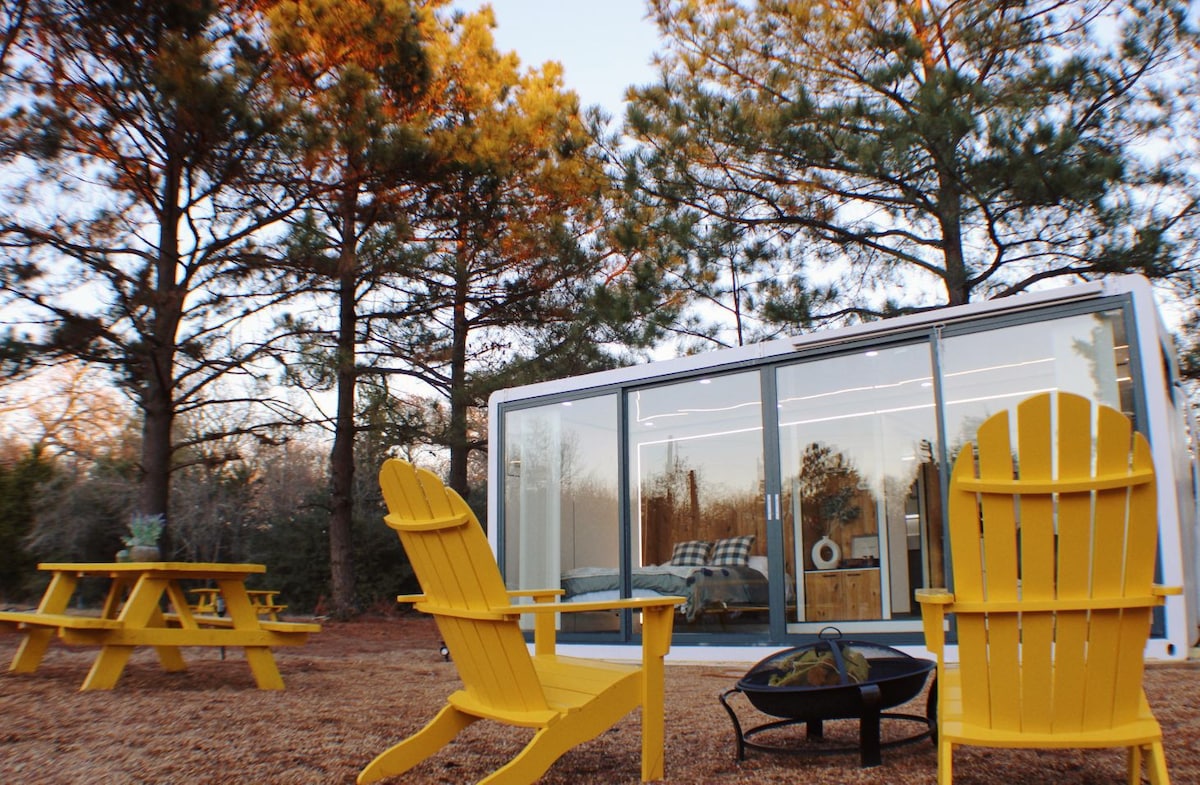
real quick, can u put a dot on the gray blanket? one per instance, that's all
(725, 587)
(704, 587)
(664, 580)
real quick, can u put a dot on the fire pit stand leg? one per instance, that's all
(868, 726)
(737, 726)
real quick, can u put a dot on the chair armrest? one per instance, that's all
(536, 593)
(636, 603)
(934, 605)
(1165, 591)
(657, 621)
(658, 610)
(934, 596)
(652, 607)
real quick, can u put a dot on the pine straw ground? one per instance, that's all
(358, 687)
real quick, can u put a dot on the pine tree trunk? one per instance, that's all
(341, 550)
(958, 284)
(460, 449)
(157, 371)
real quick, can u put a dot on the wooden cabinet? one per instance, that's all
(840, 595)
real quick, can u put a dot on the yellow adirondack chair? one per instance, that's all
(568, 700)
(1053, 549)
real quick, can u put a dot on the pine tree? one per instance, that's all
(500, 270)
(885, 156)
(358, 72)
(141, 133)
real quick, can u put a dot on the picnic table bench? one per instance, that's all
(132, 616)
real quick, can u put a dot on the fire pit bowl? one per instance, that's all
(832, 679)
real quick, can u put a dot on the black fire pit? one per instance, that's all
(832, 679)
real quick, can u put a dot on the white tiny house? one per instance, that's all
(796, 485)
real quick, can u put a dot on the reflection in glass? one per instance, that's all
(985, 372)
(560, 498)
(861, 520)
(699, 526)
(860, 500)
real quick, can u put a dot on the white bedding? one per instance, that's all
(654, 569)
(606, 596)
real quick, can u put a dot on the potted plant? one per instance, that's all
(142, 541)
(829, 488)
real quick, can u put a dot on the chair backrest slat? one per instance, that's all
(457, 572)
(1058, 670)
(1037, 560)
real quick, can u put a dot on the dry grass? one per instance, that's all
(358, 688)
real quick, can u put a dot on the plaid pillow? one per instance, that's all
(693, 553)
(733, 552)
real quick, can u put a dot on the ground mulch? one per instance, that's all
(359, 687)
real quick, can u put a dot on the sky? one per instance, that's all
(603, 45)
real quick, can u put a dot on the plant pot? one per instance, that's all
(144, 553)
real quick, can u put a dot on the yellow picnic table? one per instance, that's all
(265, 601)
(207, 600)
(132, 615)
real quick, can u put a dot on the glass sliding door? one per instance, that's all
(696, 478)
(860, 495)
(562, 515)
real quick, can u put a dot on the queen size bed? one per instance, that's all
(723, 579)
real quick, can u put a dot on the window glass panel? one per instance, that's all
(861, 517)
(696, 474)
(986, 372)
(560, 500)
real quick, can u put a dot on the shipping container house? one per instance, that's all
(798, 485)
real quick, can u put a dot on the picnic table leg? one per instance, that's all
(262, 665)
(244, 616)
(32, 649)
(36, 641)
(107, 668)
(116, 594)
(168, 656)
(140, 611)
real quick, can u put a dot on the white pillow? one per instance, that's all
(758, 563)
